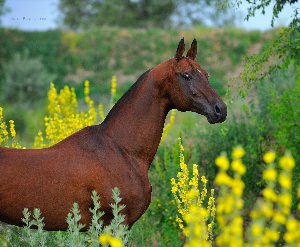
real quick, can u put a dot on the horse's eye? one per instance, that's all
(186, 76)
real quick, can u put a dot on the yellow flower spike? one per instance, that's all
(113, 89)
(269, 157)
(101, 112)
(270, 174)
(222, 162)
(168, 125)
(12, 128)
(238, 152)
(195, 170)
(287, 162)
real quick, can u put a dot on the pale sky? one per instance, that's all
(43, 15)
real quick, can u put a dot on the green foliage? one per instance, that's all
(98, 54)
(278, 54)
(277, 8)
(25, 79)
(281, 52)
(32, 234)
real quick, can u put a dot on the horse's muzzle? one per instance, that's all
(219, 113)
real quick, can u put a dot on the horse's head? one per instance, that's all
(189, 89)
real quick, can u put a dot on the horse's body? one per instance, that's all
(116, 153)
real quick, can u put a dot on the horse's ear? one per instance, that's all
(192, 52)
(180, 50)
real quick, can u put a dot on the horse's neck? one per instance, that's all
(136, 122)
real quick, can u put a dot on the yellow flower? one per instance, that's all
(285, 200)
(272, 234)
(269, 157)
(267, 210)
(291, 224)
(104, 238)
(222, 162)
(285, 181)
(203, 179)
(238, 152)
(289, 237)
(115, 242)
(237, 186)
(222, 178)
(238, 167)
(269, 194)
(279, 218)
(174, 189)
(270, 174)
(192, 194)
(256, 230)
(287, 163)
(112, 241)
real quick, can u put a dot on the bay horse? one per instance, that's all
(116, 153)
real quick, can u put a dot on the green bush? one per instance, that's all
(25, 79)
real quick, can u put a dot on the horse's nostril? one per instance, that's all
(217, 109)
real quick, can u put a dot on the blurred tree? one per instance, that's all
(141, 13)
(3, 9)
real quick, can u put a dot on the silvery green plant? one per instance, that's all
(32, 234)
(74, 227)
(96, 225)
(37, 237)
(116, 227)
